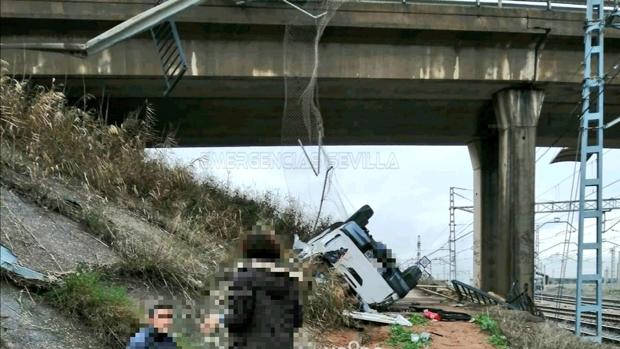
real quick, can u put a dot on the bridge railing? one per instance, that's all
(579, 5)
(562, 5)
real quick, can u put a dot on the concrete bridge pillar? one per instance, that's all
(484, 159)
(504, 193)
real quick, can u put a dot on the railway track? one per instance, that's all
(611, 304)
(565, 318)
(612, 318)
(607, 337)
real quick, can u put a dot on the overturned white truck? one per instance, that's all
(367, 265)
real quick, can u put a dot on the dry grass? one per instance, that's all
(166, 225)
(105, 307)
(43, 137)
(524, 330)
(327, 301)
(48, 138)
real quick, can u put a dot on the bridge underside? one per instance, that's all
(248, 111)
(377, 85)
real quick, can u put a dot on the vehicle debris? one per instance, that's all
(474, 295)
(444, 315)
(9, 263)
(390, 319)
(517, 299)
(367, 265)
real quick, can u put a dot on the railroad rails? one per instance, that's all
(562, 311)
(613, 304)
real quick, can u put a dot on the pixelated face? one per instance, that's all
(162, 320)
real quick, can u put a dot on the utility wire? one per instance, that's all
(466, 234)
(615, 66)
(569, 176)
(610, 228)
(555, 186)
(464, 228)
(568, 231)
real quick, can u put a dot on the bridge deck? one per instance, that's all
(390, 73)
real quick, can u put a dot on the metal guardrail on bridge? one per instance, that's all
(564, 5)
(569, 5)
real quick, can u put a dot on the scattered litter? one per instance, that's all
(423, 337)
(431, 315)
(367, 265)
(443, 314)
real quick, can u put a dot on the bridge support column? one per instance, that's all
(484, 156)
(504, 193)
(516, 113)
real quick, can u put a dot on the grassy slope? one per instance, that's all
(48, 146)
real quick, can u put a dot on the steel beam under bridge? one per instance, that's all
(561, 206)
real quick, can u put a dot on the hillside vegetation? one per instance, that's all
(168, 227)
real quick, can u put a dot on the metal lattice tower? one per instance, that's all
(613, 272)
(592, 125)
(537, 249)
(452, 238)
(561, 206)
(419, 248)
(618, 270)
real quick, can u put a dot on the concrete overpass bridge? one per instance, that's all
(500, 80)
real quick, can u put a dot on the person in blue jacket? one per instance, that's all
(156, 335)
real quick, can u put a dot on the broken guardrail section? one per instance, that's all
(516, 300)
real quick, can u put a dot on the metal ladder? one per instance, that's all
(171, 55)
(592, 126)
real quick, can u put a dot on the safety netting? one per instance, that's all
(313, 176)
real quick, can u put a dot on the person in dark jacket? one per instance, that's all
(156, 335)
(261, 298)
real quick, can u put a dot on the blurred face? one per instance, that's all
(162, 320)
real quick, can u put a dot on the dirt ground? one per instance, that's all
(444, 334)
(47, 241)
(28, 323)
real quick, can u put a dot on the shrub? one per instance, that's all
(489, 325)
(105, 308)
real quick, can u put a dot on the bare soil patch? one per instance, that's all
(444, 334)
(47, 241)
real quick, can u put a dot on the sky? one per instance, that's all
(408, 189)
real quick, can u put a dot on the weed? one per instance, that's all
(489, 325)
(400, 337)
(417, 319)
(105, 308)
